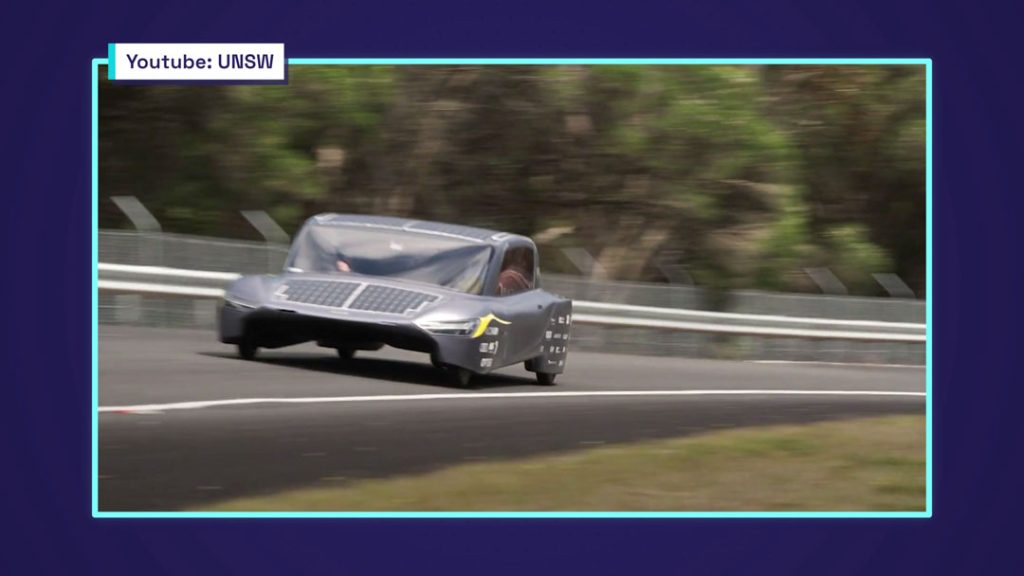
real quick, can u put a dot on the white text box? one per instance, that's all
(198, 62)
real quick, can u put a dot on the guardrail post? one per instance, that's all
(827, 281)
(667, 262)
(129, 307)
(590, 268)
(146, 225)
(141, 218)
(271, 232)
(894, 285)
(585, 263)
(830, 284)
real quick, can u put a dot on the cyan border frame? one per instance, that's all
(930, 294)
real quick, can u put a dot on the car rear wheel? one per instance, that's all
(545, 379)
(247, 349)
(345, 353)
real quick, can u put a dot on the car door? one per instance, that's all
(527, 316)
(524, 308)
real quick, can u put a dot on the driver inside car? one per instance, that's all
(341, 262)
(515, 275)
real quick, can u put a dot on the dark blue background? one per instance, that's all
(977, 280)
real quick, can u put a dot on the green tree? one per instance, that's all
(742, 175)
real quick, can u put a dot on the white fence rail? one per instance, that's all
(177, 282)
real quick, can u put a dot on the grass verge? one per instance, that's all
(871, 464)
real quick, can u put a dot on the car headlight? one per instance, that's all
(238, 303)
(453, 327)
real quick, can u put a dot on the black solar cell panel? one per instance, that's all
(388, 300)
(319, 292)
(373, 298)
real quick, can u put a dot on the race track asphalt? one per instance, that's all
(166, 444)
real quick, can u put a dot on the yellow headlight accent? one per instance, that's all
(485, 321)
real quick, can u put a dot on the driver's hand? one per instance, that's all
(343, 266)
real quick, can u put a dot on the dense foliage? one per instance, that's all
(729, 176)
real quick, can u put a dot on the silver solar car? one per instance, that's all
(468, 297)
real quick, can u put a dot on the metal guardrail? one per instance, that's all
(202, 284)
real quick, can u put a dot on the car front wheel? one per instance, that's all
(545, 379)
(345, 353)
(247, 349)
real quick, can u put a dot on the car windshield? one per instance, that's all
(440, 260)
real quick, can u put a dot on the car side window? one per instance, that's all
(516, 272)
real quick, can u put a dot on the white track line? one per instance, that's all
(195, 405)
(826, 363)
